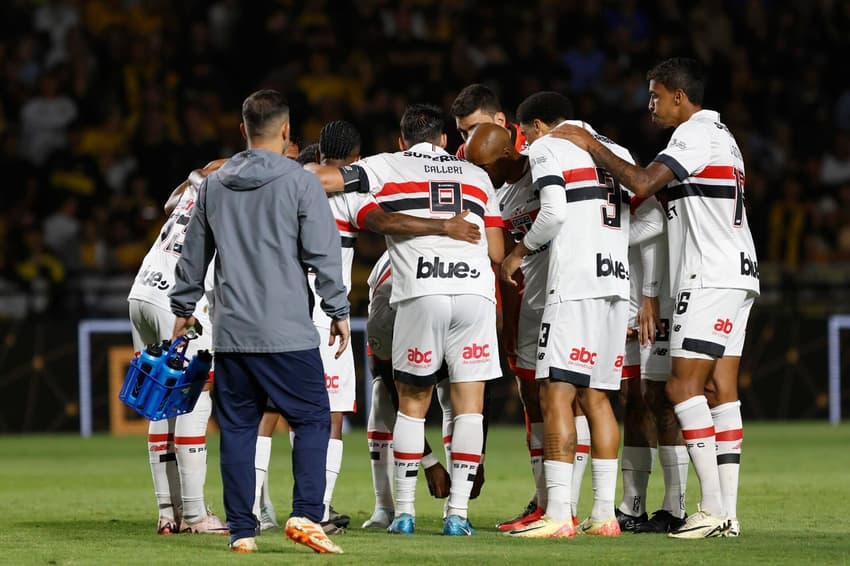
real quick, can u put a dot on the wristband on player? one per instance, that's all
(429, 460)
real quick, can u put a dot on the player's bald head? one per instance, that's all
(487, 143)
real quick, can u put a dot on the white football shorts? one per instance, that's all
(460, 329)
(710, 323)
(583, 342)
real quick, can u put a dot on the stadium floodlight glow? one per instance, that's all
(88, 327)
(837, 323)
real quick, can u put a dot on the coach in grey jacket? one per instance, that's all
(266, 220)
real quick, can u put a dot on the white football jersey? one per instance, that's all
(589, 256)
(349, 210)
(710, 240)
(520, 203)
(156, 276)
(427, 182)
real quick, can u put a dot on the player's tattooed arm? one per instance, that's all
(643, 182)
(196, 177)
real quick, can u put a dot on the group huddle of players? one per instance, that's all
(610, 277)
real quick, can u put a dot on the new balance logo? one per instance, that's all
(749, 266)
(438, 269)
(608, 267)
(724, 326)
(418, 357)
(331, 381)
(476, 352)
(583, 356)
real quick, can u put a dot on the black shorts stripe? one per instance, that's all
(680, 172)
(712, 349)
(347, 241)
(549, 180)
(417, 380)
(594, 193)
(414, 203)
(699, 190)
(728, 459)
(574, 377)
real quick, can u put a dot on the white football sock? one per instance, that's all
(261, 469)
(535, 451)
(698, 431)
(729, 435)
(445, 398)
(581, 459)
(380, 439)
(408, 446)
(468, 439)
(163, 462)
(636, 466)
(603, 473)
(333, 464)
(559, 476)
(191, 443)
(674, 465)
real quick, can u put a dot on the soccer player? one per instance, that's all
(382, 412)
(649, 423)
(177, 446)
(585, 215)
(714, 277)
(490, 147)
(478, 104)
(444, 297)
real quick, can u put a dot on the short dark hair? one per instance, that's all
(338, 139)
(547, 106)
(261, 109)
(421, 123)
(475, 97)
(309, 154)
(681, 73)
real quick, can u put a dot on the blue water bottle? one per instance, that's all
(195, 377)
(148, 364)
(169, 376)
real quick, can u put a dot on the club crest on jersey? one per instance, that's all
(609, 267)
(438, 269)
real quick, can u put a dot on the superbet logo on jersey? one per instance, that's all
(724, 326)
(476, 352)
(331, 381)
(583, 356)
(438, 269)
(417, 356)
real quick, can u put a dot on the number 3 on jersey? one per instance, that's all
(611, 212)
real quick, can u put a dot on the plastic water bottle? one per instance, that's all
(169, 375)
(148, 362)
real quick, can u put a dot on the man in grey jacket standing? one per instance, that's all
(266, 220)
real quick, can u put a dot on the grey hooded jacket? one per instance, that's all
(268, 220)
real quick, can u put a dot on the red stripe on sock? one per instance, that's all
(407, 455)
(466, 457)
(376, 435)
(727, 435)
(583, 448)
(190, 440)
(534, 452)
(447, 439)
(693, 434)
(160, 437)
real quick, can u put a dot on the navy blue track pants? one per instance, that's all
(295, 382)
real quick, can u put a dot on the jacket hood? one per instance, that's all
(253, 168)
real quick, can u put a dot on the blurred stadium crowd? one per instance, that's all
(106, 105)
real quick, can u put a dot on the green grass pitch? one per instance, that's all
(66, 500)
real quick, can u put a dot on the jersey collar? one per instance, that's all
(711, 115)
(425, 147)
